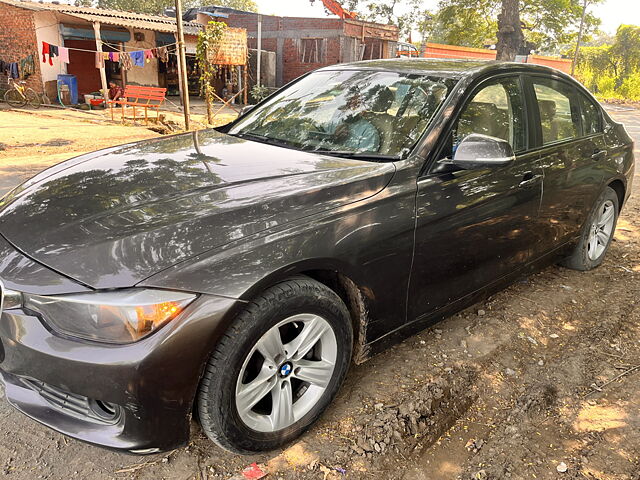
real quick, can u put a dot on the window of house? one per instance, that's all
(559, 112)
(312, 50)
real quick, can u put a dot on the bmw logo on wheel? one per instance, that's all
(285, 369)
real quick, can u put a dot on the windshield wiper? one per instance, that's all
(357, 155)
(263, 139)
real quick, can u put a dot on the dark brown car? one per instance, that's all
(239, 271)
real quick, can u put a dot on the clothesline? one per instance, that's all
(114, 46)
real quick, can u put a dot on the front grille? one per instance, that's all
(73, 404)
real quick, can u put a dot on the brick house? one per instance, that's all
(305, 44)
(25, 25)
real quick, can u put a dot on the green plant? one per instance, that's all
(209, 41)
(630, 88)
(259, 93)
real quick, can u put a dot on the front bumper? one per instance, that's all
(52, 379)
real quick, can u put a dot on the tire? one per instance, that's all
(237, 366)
(14, 99)
(597, 233)
(33, 99)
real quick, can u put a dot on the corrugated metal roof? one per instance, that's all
(112, 17)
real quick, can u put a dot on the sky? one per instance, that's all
(611, 12)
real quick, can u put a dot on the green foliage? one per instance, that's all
(158, 6)
(260, 92)
(246, 5)
(462, 24)
(613, 70)
(387, 12)
(153, 7)
(208, 44)
(630, 88)
(546, 24)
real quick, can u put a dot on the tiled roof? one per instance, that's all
(112, 17)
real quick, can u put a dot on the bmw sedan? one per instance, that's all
(235, 274)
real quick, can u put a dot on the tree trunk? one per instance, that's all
(209, 100)
(510, 38)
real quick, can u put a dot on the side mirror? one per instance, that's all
(481, 151)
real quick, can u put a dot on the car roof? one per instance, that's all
(450, 68)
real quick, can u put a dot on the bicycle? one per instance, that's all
(20, 95)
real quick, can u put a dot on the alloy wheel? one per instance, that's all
(601, 230)
(286, 373)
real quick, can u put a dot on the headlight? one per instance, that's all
(119, 316)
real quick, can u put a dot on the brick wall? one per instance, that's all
(293, 65)
(17, 40)
(289, 33)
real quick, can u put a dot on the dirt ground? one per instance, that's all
(541, 381)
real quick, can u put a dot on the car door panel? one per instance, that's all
(474, 227)
(573, 172)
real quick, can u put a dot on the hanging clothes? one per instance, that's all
(45, 52)
(125, 61)
(63, 54)
(27, 67)
(148, 55)
(137, 58)
(53, 52)
(14, 72)
(162, 54)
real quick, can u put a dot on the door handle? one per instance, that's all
(529, 180)
(599, 155)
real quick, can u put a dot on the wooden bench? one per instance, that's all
(137, 96)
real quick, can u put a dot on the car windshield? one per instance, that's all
(352, 113)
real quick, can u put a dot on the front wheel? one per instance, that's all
(277, 368)
(15, 99)
(597, 233)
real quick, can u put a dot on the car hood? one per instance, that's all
(115, 217)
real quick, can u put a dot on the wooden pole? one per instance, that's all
(103, 72)
(183, 66)
(259, 59)
(245, 74)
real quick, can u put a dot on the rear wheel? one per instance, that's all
(277, 368)
(15, 99)
(597, 234)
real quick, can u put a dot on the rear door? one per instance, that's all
(571, 143)
(473, 227)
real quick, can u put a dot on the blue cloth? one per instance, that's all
(13, 70)
(138, 58)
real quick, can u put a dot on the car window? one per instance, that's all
(591, 119)
(350, 111)
(559, 112)
(497, 111)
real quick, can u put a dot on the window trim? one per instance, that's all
(596, 105)
(536, 127)
(431, 163)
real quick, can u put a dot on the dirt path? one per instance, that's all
(507, 389)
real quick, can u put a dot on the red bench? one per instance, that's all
(140, 97)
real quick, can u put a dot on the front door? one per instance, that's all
(475, 226)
